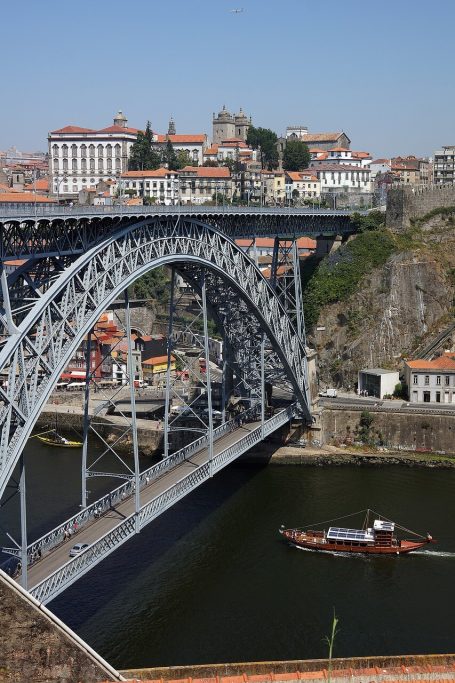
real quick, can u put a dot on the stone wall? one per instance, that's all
(36, 646)
(406, 203)
(399, 430)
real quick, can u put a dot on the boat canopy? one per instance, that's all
(336, 533)
(383, 525)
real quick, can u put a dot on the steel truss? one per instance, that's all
(75, 568)
(49, 334)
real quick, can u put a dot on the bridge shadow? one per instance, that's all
(78, 603)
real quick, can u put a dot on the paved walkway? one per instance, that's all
(56, 558)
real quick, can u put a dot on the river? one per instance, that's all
(213, 581)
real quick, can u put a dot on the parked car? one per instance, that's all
(78, 549)
(330, 393)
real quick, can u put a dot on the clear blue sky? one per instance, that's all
(381, 71)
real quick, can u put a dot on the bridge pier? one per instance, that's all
(131, 377)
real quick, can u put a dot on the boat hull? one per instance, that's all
(317, 544)
(67, 444)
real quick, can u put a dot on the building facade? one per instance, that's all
(431, 381)
(226, 125)
(161, 185)
(79, 158)
(200, 184)
(444, 165)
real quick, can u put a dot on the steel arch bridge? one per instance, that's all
(53, 300)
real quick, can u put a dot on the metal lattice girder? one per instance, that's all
(54, 328)
(75, 568)
(60, 231)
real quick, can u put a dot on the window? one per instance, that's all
(55, 150)
(438, 380)
(447, 380)
(74, 164)
(92, 164)
(100, 150)
(109, 164)
(100, 164)
(55, 164)
(415, 379)
(109, 150)
(91, 150)
(65, 164)
(65, 150)
(74, 150)
(117, 150)
(84, 164)
(427, 379)
(83, 150)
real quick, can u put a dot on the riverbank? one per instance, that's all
(331, 456)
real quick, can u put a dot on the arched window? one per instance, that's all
(65, 150)
(65, 164)
(117, 150)
(100, 150)
(91, 150)
(109, 150)
(92, 164)
(109, 164)
(84, 164)
(55, 164)
(100, 164)
(118, 163)
(74, 150)
(74, 164)
(83, 150)
(55, 150)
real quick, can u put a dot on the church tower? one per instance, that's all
(171, 127)
(241, 125)
(223, 126)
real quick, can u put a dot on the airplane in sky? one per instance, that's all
(237, 10)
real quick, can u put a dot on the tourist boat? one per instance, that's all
(52, 438)
(378, 539)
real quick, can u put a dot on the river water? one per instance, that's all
(213, 581)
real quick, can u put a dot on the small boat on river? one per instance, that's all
(52, 438)
(380, 538)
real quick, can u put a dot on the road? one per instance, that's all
(58, 556)
(393, 406)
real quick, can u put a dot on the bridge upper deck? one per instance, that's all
(33, 230)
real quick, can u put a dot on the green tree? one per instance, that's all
(372, 221)
(265, 140)
(296, 156)
(170, 157)
(142, 155)
(183, 158)
(210, 162)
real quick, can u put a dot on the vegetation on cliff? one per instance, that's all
(340, 273)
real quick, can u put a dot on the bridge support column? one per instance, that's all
(207, 373)
(263, 394)
(167, 406)
(86, 421)
(23, 505)
(131, 375)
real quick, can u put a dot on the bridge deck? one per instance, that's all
(59, 556)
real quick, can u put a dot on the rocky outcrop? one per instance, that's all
(393, 310)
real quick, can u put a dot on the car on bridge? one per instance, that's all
(78, 549)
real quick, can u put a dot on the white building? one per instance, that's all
(194, 145)
(79, 158)
(162, 185)
(200, 184)
(378, 382)
(343, 177)
(444, 165)
(306, 183)
(431, 381)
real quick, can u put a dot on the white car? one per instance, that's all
(78, 549)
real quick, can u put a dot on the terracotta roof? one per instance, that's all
(157, 360)
(298, 176)
(339, 149)
(211, 150)
(381, 161)
(321, 137)
(264, 242)
(441, 363)
(208, 171)
(176, 139)
(24, 198)
(118, 129)
(41, 184)
(7, 188)
(361, 155)
(72, 129)
(156, 173)
(316, 150)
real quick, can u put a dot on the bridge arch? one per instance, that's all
(51, 332)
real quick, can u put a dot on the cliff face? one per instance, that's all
(395, 307)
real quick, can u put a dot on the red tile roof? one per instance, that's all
(118, 129)
(156, 173)
(23, 198)
(442, 363)
(157, 360)
(361, 155)
(339, 149)
(207, 171)
(182, 139)
(72, 129)
(265, 242)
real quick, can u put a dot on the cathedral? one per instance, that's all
(227, 126)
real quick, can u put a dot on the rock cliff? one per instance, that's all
(394, 308)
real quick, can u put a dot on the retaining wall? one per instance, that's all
(406, 203)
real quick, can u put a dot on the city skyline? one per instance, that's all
(330, 68)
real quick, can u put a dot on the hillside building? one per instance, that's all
(444, 165)
(226, 125)
(431, 381)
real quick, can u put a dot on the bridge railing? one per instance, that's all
(50, 587)
(96, 509)
(32, 210)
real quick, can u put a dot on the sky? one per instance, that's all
(383, 72)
